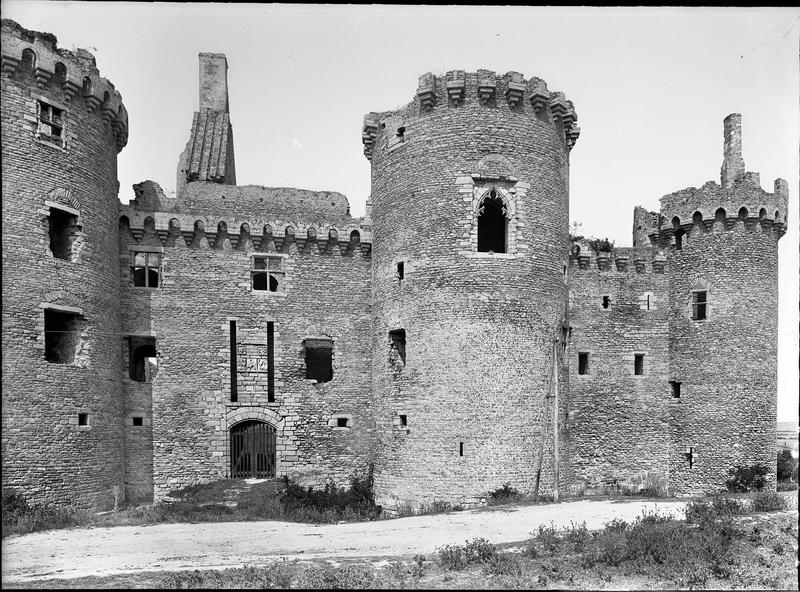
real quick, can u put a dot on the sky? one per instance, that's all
(651, 87)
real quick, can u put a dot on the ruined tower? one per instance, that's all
(63, 126)
(470, 222)
(722, 248)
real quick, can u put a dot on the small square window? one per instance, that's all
(146, 269)
(699, 304)
(51, 122)
(341, 422)
(83, 419)
(138, 421)
(268, 273)
(583, 363)
(638, 364)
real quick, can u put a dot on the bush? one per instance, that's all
(477, 551)
(787, 486)
(768, 502)
(20, 517)
(548, 539)
(787, 466)
(451, 557)
(503, 564)
(743, 479)
(578, 536)
(503, 495)
(713, 509)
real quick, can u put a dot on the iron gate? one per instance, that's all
(252, 450)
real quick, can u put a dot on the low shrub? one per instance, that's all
(455, 557)
(548, 539)
(578, 536)
(765, 501)
(742, 479)
(787, 467)
(503, 495)
(713, 509)
(787, 486)
(503, 564)
(451, 557)
(479, 550)
(21, 517)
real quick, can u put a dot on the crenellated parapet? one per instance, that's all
(619, 260)
(251, 234)
(459, 89)
(744, 203)
(71, 77)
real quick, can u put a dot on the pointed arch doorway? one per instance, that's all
(252, 450)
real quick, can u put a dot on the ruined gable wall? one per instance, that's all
(617, 422)
(204, 285)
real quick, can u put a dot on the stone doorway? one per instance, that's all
(252, 450)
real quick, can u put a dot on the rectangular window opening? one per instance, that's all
(403, 420)
(638, 364)
(62, 336)
(400, 270)
(699, 302)
(146, 269)
(138, 421)
(83, 419)
(268, 273)
(51, 123)
(397, 343)
(142, 359)
(606, 301)
(676, 389)
(583, 363)
(62, 228)
(691, 456)
(234, 364)
(319, 359)
(460, 449)
(341, 422)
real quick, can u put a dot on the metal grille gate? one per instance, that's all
(252, 450)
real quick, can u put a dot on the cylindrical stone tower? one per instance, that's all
(722, 245)
(63, 126)
(470, 220)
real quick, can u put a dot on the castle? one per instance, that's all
(456, 338)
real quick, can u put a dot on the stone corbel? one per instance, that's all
(427, 91)
(515, 89)
(42, 76)
(70, 89)
(455, 87)
(10, 65)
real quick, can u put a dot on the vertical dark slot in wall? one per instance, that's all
(270, 362)
(234, 377)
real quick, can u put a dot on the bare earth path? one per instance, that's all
(173, 547)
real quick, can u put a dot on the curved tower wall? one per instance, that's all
(68, 173)
(726, 363)
(478, 326)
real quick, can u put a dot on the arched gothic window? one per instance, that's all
(492, 225)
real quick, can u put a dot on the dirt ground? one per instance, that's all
(173, 547)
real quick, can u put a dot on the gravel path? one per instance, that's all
(173, 547)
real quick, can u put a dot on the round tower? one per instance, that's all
(722, 245)
(63, 126)
(470, 222)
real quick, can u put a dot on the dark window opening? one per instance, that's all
(606, 301)
(400, 270)
(492, 225)
(270, 362)
(403, 420)
(460, 449)
(638, 364)
(142, 360)
(268, 273)
(679, 240)
(397, 342)
(690, 456)
(51, 123)
(676, 389)
(137, 421)
(648, 302)
(401, 132)
(83, 419)
(319, 359)
(63, 227)
(234, 364)
(583, 363)
(341, 422)
(62, 335)
(699, 305)
(146, 270)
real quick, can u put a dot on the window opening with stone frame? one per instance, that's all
(319, 359)
(676, 389)
(403, 420)
(62, 336)
(638, 364)
(146, 269)
(492, 225)
(83, 419)
(62, 229)
(342, 422)
(397, 348)
(583, 363)
(51, 121)
(268, 273)
(143, 362)
(401, 271)
(138, 421)
(699, 304)
(606, 301)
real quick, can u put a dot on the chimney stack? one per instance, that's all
(213, 82)
(732, 163)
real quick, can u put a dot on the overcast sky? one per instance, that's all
(651, 87)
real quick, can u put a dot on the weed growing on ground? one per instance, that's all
(502, 495)
(765, 501)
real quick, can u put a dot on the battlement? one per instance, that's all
(255, 234)
(458, 89)
(625, 260)
(74, 75)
